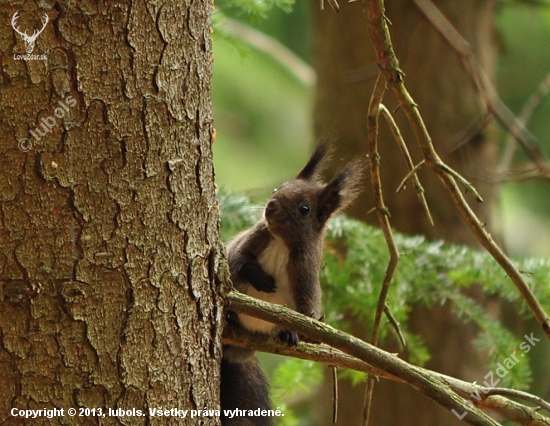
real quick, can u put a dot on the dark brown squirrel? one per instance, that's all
(278, 261)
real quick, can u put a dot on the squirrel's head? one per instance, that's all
(299, 209)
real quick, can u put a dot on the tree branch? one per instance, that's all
(340, 349)
(520, 395)
(418, 378)
(408, 160)
(486, 90)
(383, 219)
(390, 69)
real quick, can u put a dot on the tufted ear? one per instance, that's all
(314, 165)
(340, 191)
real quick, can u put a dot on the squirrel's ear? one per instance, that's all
(340, 191)
(321, 153)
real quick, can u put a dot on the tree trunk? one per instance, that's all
(108, 221)
(346, 67)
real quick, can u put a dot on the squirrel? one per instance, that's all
(278, 261)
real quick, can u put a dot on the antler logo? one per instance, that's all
(29, 40)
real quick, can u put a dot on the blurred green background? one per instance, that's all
(263, 112)
(524, 63)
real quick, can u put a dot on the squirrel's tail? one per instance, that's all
(244, 389)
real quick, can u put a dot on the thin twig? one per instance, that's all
(486, 90)
(394, 77)
(393, 321)
(411, 173)
(334, 394)
(381, 209)
(383, 219)
(469, 187)
(518, 394)
(408, 160)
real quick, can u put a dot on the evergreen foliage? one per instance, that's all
(429, 273)
(253, 8)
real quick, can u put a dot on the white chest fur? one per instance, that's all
(274, 261)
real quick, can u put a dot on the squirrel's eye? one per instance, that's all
(304, 210)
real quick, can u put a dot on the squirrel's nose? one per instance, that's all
(271, 207)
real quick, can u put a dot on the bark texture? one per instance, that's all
(346, 67)
(108, 221)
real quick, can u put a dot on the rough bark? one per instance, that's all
(108, 222)
(346, 67)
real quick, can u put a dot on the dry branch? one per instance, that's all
(347, 351)
(390, 69)
(384, 221)
(486, 90)
(408, 160)
(323, 333)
